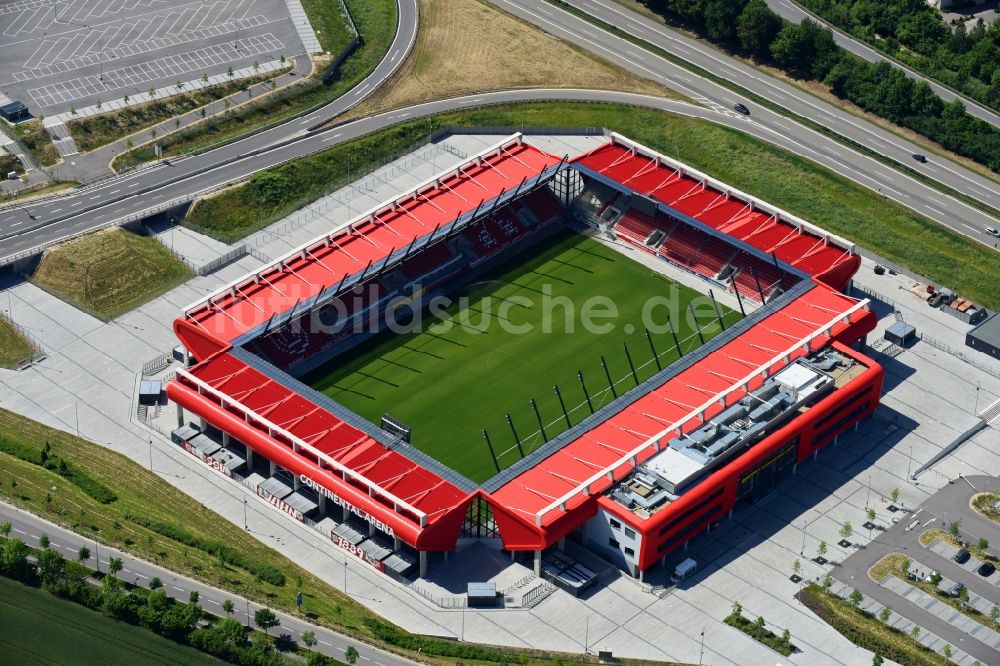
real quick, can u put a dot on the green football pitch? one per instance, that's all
(512, 335)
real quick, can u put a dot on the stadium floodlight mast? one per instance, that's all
(630, 459)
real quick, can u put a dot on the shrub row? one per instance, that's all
(438, 648)
(44, 458)
(264, 572)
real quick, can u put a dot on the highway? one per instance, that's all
(25, 228)
(794, 12)
(27, 527)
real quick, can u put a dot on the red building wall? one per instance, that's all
(717, 494)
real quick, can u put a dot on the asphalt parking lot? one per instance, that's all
(931, 613)
(62, 55)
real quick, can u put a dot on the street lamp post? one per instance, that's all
(150, 454)
(246, 525)
(701, 651)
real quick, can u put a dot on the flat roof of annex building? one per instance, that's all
(409, 491)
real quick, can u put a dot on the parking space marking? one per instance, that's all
(168, 67)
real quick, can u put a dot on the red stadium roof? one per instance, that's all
(732, 212)
(276, 288)
(297, 434)
(580, 471)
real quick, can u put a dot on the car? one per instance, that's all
(986, 570)
(962, 556)
(955, 590)
(993, 231)
(920, 158)
(742, 108)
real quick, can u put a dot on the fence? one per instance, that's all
(443, 602)
(961, 355)
(34, 357)
(232, 255)
(536, 595)
(156, 365)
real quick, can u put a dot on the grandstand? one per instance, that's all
(324, 464)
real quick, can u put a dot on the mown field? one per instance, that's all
(512, 333)
(38, 628)
(109, 272)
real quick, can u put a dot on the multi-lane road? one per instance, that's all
(28, 528)
(24, 229)
(794, 12)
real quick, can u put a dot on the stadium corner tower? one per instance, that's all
(632, 482)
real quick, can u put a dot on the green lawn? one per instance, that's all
(38, 628)
(110, 272)
(464, 372)
(13, 345)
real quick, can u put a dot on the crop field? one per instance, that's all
(39, 628)
(511, 335)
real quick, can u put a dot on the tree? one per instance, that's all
(955, 529)
(894, 495)
(737, 611)
(846, 530)
(114, 566)
(229, 72)
(265, 619)
(125, 99)
(318, 659)
(806, 49)
(963, 595)
(201, 112)
(43, 540)
(995, 614)
(756, 28)
(796, 567)
(935, 577)
(877, 659)
(227, 606)
(856, 598)
(885, 614)
(83, 555)
(309, 638)
(51, 570)
(760, 623)
(905, 565)
(204, 77)
(256, 66)
(129, 144)
(155, 583)
(281, 59)
(72, 110)
(152, 93)
(786, 636)
(5, 528)
(226, 104)
(270, 187)
(152, 134)
(821, 549)
(828, 581)
(870, 514)
(98, 104)
(983, 543)
(946, 651)
(177, 123)
(721, 19)
(915, 632)
(351, 655)
(180, 86)
(193, 596)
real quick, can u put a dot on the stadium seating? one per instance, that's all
(543, 203)
(426, 261)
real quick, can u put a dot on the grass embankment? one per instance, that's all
(96, 131)
(786, 180)
(37, 140)
(151, 519)
(376, 21)
(506, 339)
(13, 345)
(109, 272)
(865, 631)
(472, 47)
(37, 191)
(71, 630)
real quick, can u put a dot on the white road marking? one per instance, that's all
(331, 138)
